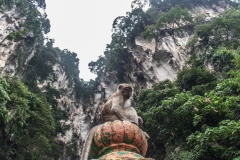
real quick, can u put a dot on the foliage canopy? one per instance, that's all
(195, 117)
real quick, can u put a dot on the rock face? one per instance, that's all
(153, 60)
(10, 21)
(16, 51)
(162, 57)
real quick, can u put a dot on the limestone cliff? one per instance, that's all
(25, 54)
(161, 58)
(10, 22)
(153, 60)
(18, 46)
(157, 59)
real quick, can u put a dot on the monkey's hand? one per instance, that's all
(120, 114)
(118, 110)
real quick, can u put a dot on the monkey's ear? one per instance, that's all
(119, 87)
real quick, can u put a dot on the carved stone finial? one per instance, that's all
(120, 140)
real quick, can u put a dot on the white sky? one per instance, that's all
(84, 27)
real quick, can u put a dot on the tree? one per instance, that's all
(189, 125)
(27, 125)
(192, 77)
(223, 30)
(173, 16)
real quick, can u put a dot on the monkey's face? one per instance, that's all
(127, 92)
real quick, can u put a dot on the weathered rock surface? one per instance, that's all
(153, 60)
(161, 58)
(10, 21)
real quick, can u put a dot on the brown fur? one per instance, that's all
(118, 106)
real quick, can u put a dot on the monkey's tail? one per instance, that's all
(88, 143)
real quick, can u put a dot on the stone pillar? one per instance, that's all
(119, 140)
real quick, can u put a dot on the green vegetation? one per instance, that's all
(149, 32)
(16, 35)
(71, 149)
(192, 42)
(35, 23)
(38, 124)
(222, 30)
(126, 28)
(26, 122)
(173, 16)
(197, 116)
(7, 3)
(164, 5)
(40, 67)
(164, 14)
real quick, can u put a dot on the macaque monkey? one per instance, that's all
(117, 107)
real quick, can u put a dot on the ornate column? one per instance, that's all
(120, 140)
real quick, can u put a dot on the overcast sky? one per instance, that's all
(84, 27)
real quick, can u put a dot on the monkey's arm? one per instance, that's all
(117, 107)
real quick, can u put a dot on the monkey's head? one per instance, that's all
(126, 90)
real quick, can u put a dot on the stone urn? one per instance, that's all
(118, 139)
